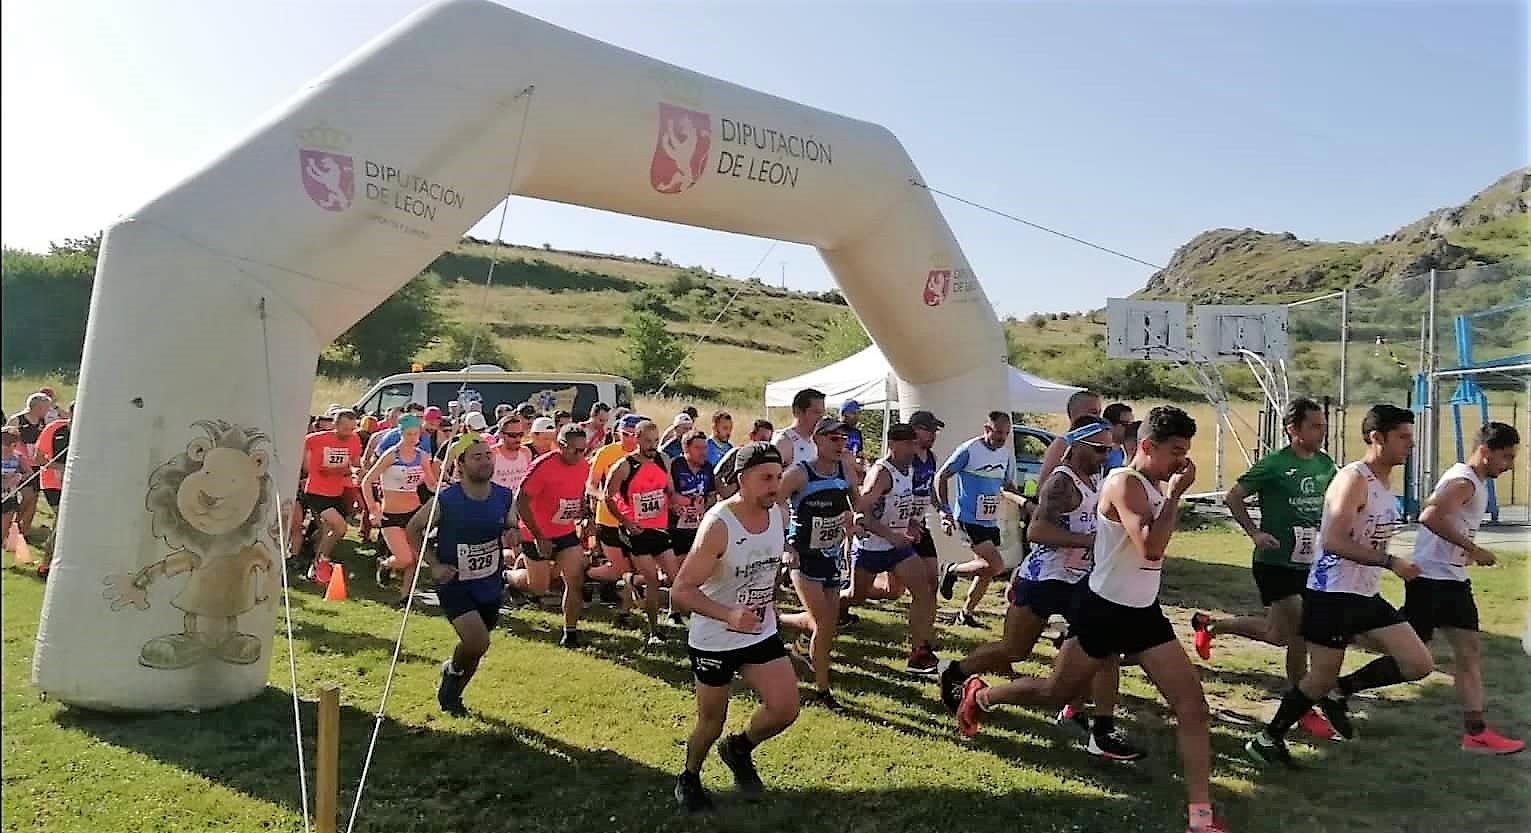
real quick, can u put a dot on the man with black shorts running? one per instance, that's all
(729, 585)
(551, 501)
(1442, 596)
(639, 493)
(1341, 601)
(331, 458)
(475, 519)
(696, 491)
(1290, 484)
(1117, 613)
(985, 471)
(52, 455)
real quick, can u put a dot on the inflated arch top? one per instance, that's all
(213, 301)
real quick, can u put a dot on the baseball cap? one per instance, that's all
(755, 454)
(475, 421)
(851, 406)
(432, 414)
(829, 425)
(926, 420)
(570, 430)
(681, 418)
(543, 425)
(900, 431)
(407, 422)
(629, 423)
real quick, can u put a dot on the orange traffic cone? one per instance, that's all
(336, 590)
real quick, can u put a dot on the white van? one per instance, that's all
(493, 385)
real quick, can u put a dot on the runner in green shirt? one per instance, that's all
(1290, 484)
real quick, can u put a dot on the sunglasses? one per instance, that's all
(1096, 446)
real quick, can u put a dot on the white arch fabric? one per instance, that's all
(213, 301)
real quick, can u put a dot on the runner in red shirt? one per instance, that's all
(52, 448)
(550, 503)
(331, 458)
(639, 493)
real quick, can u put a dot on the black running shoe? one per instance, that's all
(449, 692)
(948, 581)
(824, 700)
(570, 639)
(949, 681)
(1113, 746)
(742, 765)
(384, 574)
(966, 619)
(846, 620)
(1337, 711)
(677, 618)
(691, 795)
(1266, 750)
(922, 661)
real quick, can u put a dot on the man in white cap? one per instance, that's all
(674, 439)
(543, 431)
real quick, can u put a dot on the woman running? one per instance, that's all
(401, 471)
(14, 468)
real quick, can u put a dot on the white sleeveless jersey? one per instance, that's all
(510, 469)
(803, 449)
(1070, 564)
(1438, 558)
(1374, 528)
(745, 576)
(1121, 574)
(894, 508)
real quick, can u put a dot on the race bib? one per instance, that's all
(413, 477)
(568, 510)
(649, 505)
(826, 533)
(760, 601)
(1078, 559)
(903, 508)
(1304, 544)
(988, 507)
(334, 457)
(475, 561)
(688, 517)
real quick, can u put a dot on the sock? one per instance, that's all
(1473, 722)
(1201, 815)
(1294, 705)
(1382, 671)
(1103, 725)
(982, 698)
(569, 629)
(452, 669)
(742, 742)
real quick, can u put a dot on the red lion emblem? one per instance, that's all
(680, 150)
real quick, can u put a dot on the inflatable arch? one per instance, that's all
(213, 301)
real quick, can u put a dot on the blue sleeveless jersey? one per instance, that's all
(468, 538)
(825, 497)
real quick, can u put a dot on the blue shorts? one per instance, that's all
(1045, 599)
(822, 566)
(881, 561)
(457, 599)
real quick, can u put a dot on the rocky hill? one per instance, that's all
(1245, 264)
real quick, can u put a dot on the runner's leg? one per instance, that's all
(1171, 671)
(571, 564)
(472, 644)
(776, 684)
(910, 573)
(711, 715)
(992, 565)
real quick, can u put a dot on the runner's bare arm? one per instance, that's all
(686, 594)
(1149, 534)
(784, 447)
(1343, 504)
(415, 531)
(614, 476)
(791, 482)
(1235, 501)
(525, 513)
(943, 503)
(1437, 514)
(384, 460)
(878, 483)
(1048, 526)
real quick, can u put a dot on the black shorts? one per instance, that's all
(821, 566)
(456, 601)
(1107, 629)
(1277, 582)
(1045, 599)
(682, 540)
(1335, 619)
(318, 504)
(613, 536)
(1430, 603)
(561, 543)
(397, 518)
(717, 668)
(978, 534)
(53, 496)
(649, 542)
(11, 504)
(926, 546)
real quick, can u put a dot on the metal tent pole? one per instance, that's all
(1339, 406)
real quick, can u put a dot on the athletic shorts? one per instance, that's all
(11, 504)
(1335, 619)
(978, 534)
(54, 496)
(561, 543)
(318, 504)
(455, 601)
(400, 519)
(717, 668)
(682, 540)
(649, 542)
(1045, 599)
(926, 546)
(881, 561)
(821, 566)
(1277, 582)
(1430, 603)
(613, 536)
(1107, 629)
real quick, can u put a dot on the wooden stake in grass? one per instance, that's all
(326, 780)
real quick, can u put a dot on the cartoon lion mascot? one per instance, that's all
(208, 504)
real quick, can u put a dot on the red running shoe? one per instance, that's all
(1489, 742)
(969, 713)
(1203, 638)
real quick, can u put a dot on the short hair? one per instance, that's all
(693, 436)
(1079, 397)
(1166, 422)
(569, 432)
(507, 420)
(38, 397)
(644, 425)
(345, 413)
(414, 408)
(1498, 436)
(1113, 412)
(562, 414)
(719, 416)
(1383, 418)
(599, 408)
(763, 425)
(1297, 411)
(804, 398)
(504, 408)
(10, 434)
(690, 411)
(997, 416)
(1087, 419)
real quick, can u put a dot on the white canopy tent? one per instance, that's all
(867, 378)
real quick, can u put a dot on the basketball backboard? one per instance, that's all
(1222, 331)
(1153, 330)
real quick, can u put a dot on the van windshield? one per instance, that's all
(574, 397)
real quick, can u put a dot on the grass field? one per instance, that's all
(590, 740)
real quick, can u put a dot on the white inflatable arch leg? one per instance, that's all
(213, 301)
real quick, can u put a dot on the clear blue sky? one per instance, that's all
(1133, 124)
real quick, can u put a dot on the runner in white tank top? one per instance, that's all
(728, 582)
(1068, 564)
(1442, 597)
(1117, 613)
(1341, 602)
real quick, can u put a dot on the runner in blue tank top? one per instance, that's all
(474, 521)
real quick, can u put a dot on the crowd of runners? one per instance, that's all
(668, 520)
